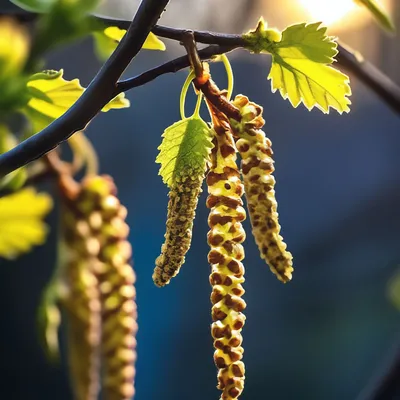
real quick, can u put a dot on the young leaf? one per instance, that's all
(52, 95)
(185, 149)
(21, 222)
(379, 14)
(300, 66)
(107, 40)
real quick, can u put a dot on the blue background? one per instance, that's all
(323, 335)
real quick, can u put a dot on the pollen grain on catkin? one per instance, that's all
(227, 272)
(259, 183)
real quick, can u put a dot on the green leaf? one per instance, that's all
(45, 6)
(51, 96)
(40, 6)
(14, 48)
(21, 221)
(17, 178)
(184, 150)
(379, 14)
(300, 66)
(107, 40)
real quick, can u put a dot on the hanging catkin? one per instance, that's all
(183, 198)
(82, 301)
(116, 279)
(225, 238)
(257, 168)
(102, 295)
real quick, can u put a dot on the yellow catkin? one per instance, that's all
(257, 168)
(183, 199)
(116, 279)
(227, 271)
(82, 304)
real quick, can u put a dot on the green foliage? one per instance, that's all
(107, 40)
(21, 221)
(379, 13)
(40, 6)
(301, 68)
(51, 96)
(17, 178)
(185, 149)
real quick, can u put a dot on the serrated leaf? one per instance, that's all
(52, 95)
(184, 150)
(21, 221)
(301, 71)
(379, 13)
(107, 40)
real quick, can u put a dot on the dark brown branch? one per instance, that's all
(100, 91)
(386, 385)
(371, 76)
(170, 67)
(105, 86)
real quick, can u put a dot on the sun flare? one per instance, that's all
(328, 11)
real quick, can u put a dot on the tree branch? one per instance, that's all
(105, 85)
(371, 76)
(170, 67)
(367, 73)
(100, 91)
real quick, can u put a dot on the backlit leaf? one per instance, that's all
(21, 221)
(52, 95)
(301, 69)
(379, 13)
(107, 40)
(184, 150)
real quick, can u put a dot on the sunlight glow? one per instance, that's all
(328, 11)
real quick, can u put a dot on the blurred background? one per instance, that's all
(320, 337)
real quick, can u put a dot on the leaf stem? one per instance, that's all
(229, 73)
(184, 91)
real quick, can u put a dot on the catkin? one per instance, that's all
(117, 293)
(81, 303)
(225, 238)
(257, 168)
(183, 199)
(101, 302)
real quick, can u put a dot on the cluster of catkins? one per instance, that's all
(226, 235)
(99, 300)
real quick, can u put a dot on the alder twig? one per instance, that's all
(101, 90)
(371, 76)
(105, 85)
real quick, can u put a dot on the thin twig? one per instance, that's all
(170, 67)
(100, 91)
(371, 76)
(105, 86)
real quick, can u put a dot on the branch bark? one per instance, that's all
(105, 85)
